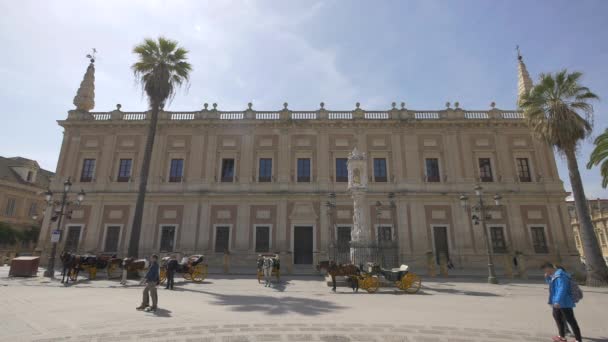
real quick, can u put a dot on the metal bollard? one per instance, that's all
(443, 264)
(508, 266)
(226, 262)
(430, 261)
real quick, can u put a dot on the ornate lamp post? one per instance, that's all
(478, 214)
(58, 214)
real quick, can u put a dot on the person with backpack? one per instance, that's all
(563, 295)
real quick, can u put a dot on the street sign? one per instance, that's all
(55, 236)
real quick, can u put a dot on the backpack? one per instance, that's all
(575, 291)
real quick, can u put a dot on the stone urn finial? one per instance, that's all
(448, 104)
(214, 106)
(394, 105)
(118, 106)
(402, 105)
(493, 104)
(205, 105)
(357, 105)
(457, 105)
(285, 105)
(322, 104)
(250, 106)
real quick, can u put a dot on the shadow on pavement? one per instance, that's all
(462, 292)
(160, 312)
(271, 305)
(596, 339)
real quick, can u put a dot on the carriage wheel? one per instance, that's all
(371, 284)
(92, 273)
(163, 275)
(110, 270)
(411, 283)
(187, 276)
(200, 273)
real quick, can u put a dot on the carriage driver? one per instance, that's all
(172, 266)
(151, 279)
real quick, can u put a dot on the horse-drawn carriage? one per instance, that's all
(193, 268)
(73, 264)
(369, 277)
(269, 260)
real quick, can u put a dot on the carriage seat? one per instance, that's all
(403, 268)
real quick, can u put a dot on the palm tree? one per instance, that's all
(558, 111)
(600, 155)
(161, 68)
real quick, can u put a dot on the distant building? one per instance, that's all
(254, 181)
(22, 187)
(599, 217)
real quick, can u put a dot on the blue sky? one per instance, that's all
(341, 52)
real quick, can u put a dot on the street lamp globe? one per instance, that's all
(48, 195)
(81, 195)
(463, 200)
(478, 189)
(67, 185)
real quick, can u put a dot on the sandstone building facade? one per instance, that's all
(251, 181)
(22, 187)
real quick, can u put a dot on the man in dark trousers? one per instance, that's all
(151, 280)
(171, 269)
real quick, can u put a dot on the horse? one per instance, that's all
(267, 265)
(132, 265)
(68, 262)
(350, 271)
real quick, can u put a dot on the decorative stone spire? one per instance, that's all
(524, 82)
(85, 96)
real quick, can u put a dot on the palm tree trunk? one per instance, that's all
(597, 271)
(143, 183)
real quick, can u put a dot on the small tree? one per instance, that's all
(8, 235)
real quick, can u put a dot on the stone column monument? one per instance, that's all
(360, 246)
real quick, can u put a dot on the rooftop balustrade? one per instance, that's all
(321, 114)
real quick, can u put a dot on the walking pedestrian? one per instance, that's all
(561, 301)
(151, 280)
(171, 269)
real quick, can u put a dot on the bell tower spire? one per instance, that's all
(524, 82)
(85, 96)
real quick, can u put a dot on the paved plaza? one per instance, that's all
(300, 308)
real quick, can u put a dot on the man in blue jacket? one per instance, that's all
(560, 299)
(151, 279)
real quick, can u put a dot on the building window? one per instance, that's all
(523, 170)
(33, 209)
(602, 238)
(341, 170)
(112, 236)
(265, 170)
(222, 239)
(124, 170)
(88, 170)
(303, 170)
(485, 170)
(497, 236)
(385, 233)
(10, 209)
(167, 238)
(432, 170)
(72, 239)
(176, 171)
(262, 239)
(344, 238)
(228, 170)
(30, 176)
(539, 240)
(380, 170)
